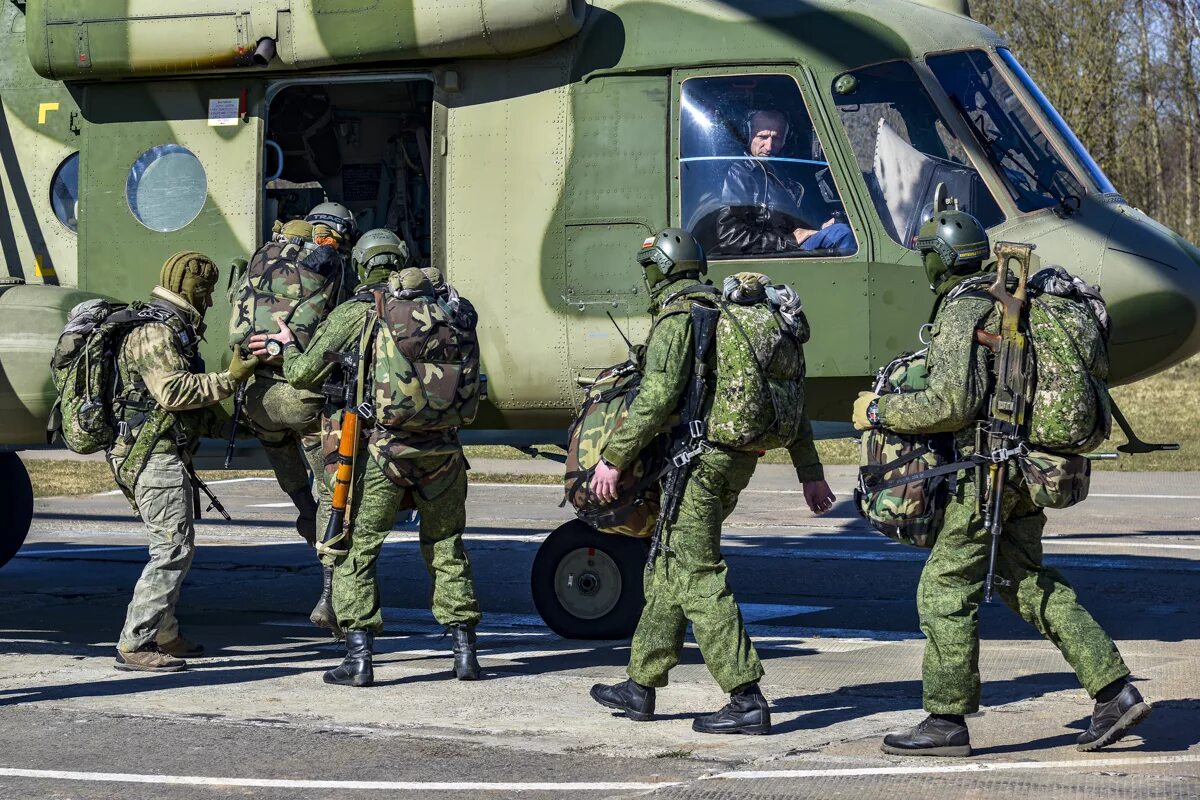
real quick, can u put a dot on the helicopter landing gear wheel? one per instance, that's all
(587, 584)
(16, 498)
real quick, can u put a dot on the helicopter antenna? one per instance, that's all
(620, 332)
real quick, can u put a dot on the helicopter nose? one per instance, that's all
(1150, 277)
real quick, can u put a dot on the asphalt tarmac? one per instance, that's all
(829, 603)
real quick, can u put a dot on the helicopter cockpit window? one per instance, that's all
(166, 187)
(1010, 138)
(754, 181)
(905, 149)
(64, 192)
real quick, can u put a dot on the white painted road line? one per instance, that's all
(1088, 764)
(288, 783)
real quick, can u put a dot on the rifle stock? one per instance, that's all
(1006, 420)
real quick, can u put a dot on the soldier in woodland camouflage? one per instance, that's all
(163, 405)
(296, 278)
(688, 581)
(395, 469)
(951, 585)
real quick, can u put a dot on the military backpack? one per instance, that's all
(601, 415)
(424, 359)
(288, 280)
(758, 393)
(84, 370)
(904, 481)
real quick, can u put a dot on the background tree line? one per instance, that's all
(1125, 74)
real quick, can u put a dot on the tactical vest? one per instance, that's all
(291, 281)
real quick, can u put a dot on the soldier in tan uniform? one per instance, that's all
(162, 404)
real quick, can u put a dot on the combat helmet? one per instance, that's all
(337, 217)
(951, 241)
(670, 254)
(379, 250)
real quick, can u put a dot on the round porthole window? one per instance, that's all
(166, 187)
(64, 192)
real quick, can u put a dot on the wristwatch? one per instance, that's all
(873, 413)
(274, 348)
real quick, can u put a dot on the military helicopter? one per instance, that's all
(526, 147)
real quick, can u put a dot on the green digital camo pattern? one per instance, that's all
(668, 364)
(689, 583)
(285, 281)
(910, 513)
(1056, 481)
(163, 494)
(604, 411)
(1070, 411)
(443, 519)
(951, 588)
(758, 399)
(81, 370)
(287, 421)
(156, 372)
(425, 363)
(958, 376)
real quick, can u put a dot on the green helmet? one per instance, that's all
(337, 217)
(669, 254)
(950, 241)
(378, 250)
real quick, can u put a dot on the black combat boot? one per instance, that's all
(355, 669)
(306, 523)
(747, 712)
(936, 735)
(466, 665)
(635, 700)
(322, 614)
(1119, 706)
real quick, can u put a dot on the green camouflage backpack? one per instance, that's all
(84, 371)
(1068, 324)
(288, 280)
(758, 399)
(425, 356)
(905, 480)
(602, 413)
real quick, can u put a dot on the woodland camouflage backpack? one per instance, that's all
(84, 371)
(904, 480)
(602, 413)
(1068, 323)
(425, 355)
(288, 280)
(758, 399)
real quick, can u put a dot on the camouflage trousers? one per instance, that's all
(163, 493)
(377, 500)
(288, 423)
(689, 583)
(951, 587)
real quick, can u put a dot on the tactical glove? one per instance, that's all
(240, 369)
(865, 415)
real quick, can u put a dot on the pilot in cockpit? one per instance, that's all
(764, 211)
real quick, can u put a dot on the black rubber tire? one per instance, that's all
(17, 502)
(629, 556)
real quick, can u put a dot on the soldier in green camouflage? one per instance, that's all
(953, 245)
(163, 406)
(394, 470)
(688, 582)
(302, 259)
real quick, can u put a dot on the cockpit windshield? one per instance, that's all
(1009, 136)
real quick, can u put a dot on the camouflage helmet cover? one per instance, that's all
(670, 253)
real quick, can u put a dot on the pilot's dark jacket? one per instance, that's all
(760, 210)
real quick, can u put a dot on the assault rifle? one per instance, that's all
(687, 438)
(199, 486)
(1004, 431)
(239, 400)
(350, 363)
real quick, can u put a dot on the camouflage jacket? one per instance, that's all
(959, 378)
(405, 457)
(165, 395)
(666, 368)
